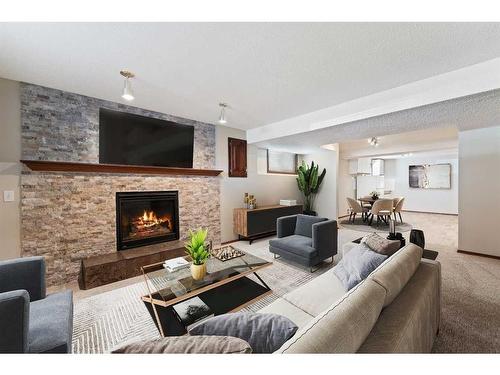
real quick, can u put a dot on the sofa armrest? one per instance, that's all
(324, 238)
(14, 321)
(24, 273)
(285, 226)
(437, 268)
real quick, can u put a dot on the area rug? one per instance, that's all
(111, 319)
(361, 226)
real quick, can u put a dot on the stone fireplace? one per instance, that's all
(144, 218)
(67, 217)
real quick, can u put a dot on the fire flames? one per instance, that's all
(149, 219)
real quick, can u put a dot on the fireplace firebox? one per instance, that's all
(144, 218)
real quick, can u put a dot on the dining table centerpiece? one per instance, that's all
(375, 195)
(199, 251)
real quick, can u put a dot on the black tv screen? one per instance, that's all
(130, 139)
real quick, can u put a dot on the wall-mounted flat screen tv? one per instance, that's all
(129, 139)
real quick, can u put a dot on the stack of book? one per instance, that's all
(175, 264)
(192, 312)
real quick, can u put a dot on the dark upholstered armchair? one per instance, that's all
(307, 240)
(30, 320)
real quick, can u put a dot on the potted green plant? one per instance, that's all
(309, 180)
(198, 250)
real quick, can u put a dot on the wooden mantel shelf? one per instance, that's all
(62, 166)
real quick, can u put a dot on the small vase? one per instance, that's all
(198, 271)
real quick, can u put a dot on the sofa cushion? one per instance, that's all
(296, 244)
(381, 245)
(399, 268)
(188, 345)
(343, 326)
(357, 264)
(316, 295)
(265, 333)
(282, 307)
(304, 224)
(51, 324)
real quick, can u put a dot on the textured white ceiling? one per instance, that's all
(267, 72)
(392, 146)
(468, 112)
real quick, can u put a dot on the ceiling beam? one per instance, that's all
(470, 80)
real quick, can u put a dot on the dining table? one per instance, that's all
(368, 200)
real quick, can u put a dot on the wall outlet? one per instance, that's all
(8, 196)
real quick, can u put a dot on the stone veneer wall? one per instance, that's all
(66, 217)
(62, 126)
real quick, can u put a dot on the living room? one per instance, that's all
(257, 193)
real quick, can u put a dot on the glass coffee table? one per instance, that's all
(225, 288)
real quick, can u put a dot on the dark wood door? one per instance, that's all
(237, 152)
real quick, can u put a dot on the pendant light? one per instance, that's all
(222, 117)
(128, 93)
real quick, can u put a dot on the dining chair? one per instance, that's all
(395, 202)
(356, 209)
(382, 208)
(398, 208)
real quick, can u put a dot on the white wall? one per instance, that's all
(267, 188)
(479, 207)
(345, 187)
(10, 168)
(425, 200)
(326, 201)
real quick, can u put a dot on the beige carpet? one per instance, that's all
(470, 320)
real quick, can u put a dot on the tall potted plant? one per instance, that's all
(309, 180)
(197, 249)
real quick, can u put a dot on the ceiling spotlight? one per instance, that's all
(128, 93)
(373, 141)
(222, 117)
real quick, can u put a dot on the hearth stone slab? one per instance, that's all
(109, 268)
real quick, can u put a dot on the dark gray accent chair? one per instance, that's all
(307, 240)
(30, 320)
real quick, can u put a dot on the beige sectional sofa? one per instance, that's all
(396, 309)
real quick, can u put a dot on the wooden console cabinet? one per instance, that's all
(260, 222)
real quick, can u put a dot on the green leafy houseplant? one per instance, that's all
(196, 247)
(309, 180)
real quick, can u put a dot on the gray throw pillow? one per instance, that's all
(357, 264)
(264, 332)
(381, 245)
(188, 345)
(303, 226)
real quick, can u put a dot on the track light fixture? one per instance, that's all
(128, 93)
(374, 141)
(222, 117)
